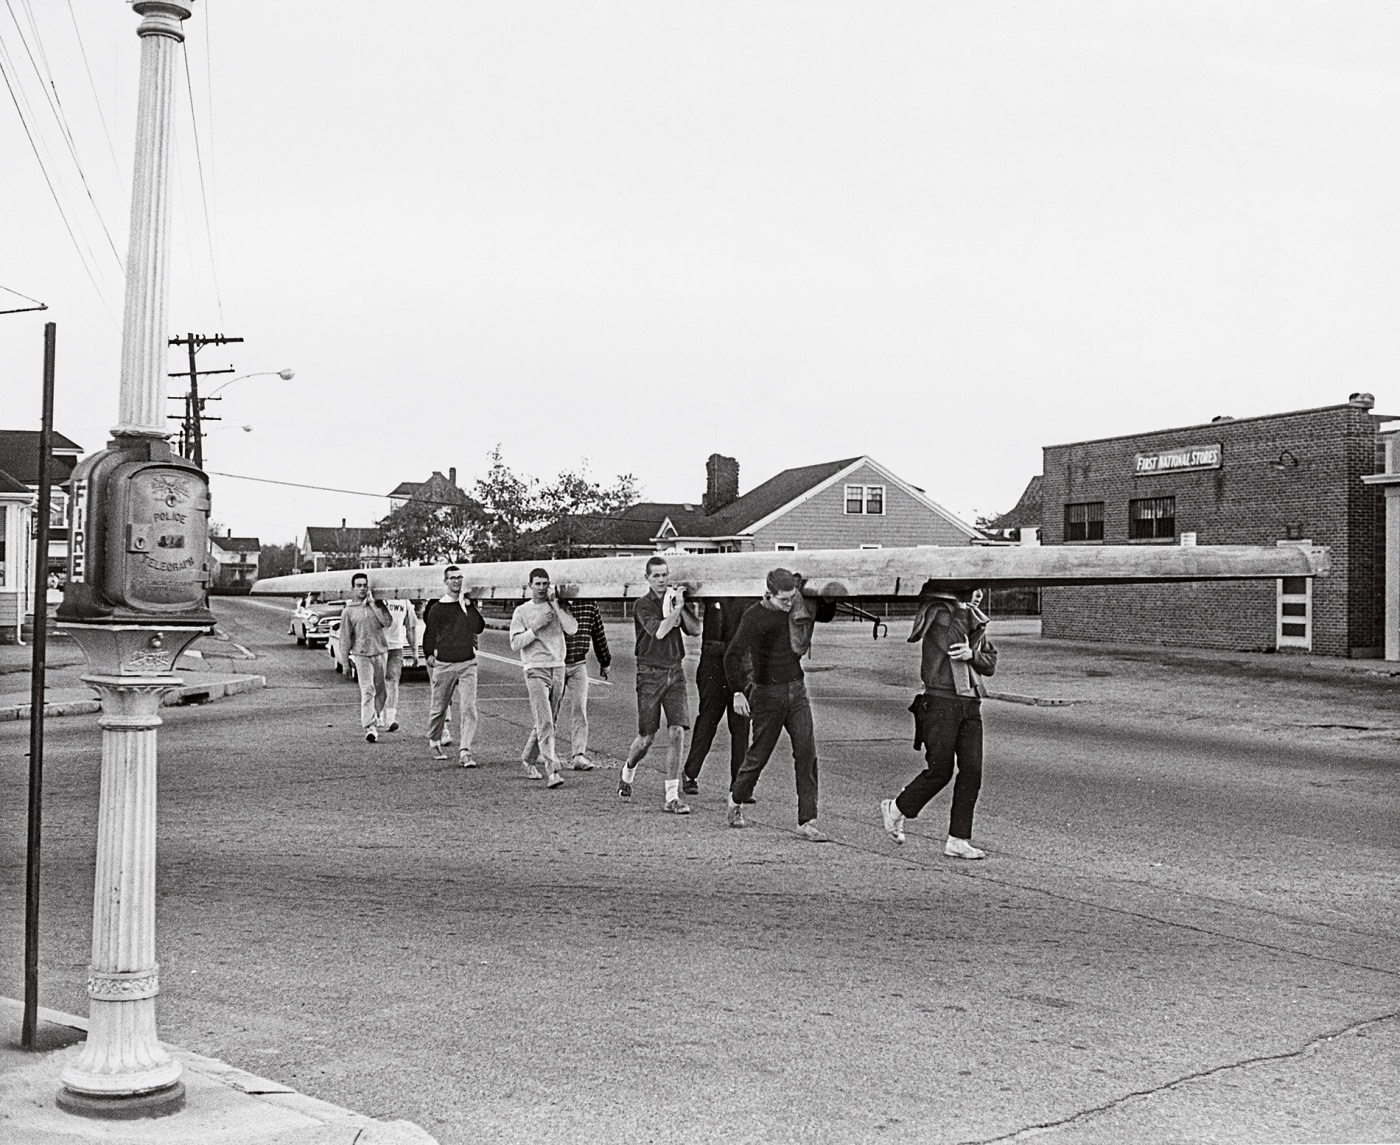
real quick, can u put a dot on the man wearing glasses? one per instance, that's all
(451, 625)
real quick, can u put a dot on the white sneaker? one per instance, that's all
(894, 821)
(811, 832)
(464, 757)
(531, 771)
(956, 848)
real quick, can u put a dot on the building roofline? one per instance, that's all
(1214, 424)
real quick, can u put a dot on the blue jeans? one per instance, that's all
(775, 708)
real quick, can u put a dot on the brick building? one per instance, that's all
(1290, 478)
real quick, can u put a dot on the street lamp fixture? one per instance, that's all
(285, 375)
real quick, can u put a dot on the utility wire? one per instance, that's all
(204, 194)
(6, 70)
(111, 148)
(50, 90)
(329, 489)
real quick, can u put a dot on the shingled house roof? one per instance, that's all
(19, 456)
(237, 544)
(759, 502)
(1027, 512)
(9, 485)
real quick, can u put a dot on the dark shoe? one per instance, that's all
(689, 786)
(624, 789)
(393, 727)
(371, 736)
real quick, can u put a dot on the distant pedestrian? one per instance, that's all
(538, 631)
(402, 639)
(775, 633)
(575, 702)
(364, 625)
(451, 625)
(719, 624)
(660, 616)
(947, 714)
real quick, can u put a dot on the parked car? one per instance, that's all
(312, 617)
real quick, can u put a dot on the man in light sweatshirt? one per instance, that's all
(538, 631)
(364, 627)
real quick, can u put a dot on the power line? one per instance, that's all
(51, 96)
(204, 195)
(111, 148)
(6, 69)
(329, 489)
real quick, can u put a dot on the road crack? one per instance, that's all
(1306, 1050)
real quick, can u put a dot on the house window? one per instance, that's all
(784, 547)
(57, 508)
(1084, 522)
(865, 499)
(1151, 518)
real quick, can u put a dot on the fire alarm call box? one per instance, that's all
(157, 537)
(141, 543)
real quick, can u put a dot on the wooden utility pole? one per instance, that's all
(193, 419)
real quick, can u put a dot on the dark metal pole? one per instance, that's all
(196, 412)
(37, 673)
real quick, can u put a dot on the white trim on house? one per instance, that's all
(841, 475)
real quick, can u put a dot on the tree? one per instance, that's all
(511, 509)
(278, 560)
(344, 550)
(576, 510)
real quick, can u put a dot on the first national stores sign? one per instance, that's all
(1178, 460)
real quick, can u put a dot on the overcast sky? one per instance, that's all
(634, 234)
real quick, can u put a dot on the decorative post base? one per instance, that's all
(123, 1071)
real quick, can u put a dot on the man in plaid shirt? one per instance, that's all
(590, 631)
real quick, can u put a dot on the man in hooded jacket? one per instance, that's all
(947, 714)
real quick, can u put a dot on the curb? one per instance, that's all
(183, 695)
(366, 1130)
(1033, 701)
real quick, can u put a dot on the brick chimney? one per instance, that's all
(721, 483)
(452, 476)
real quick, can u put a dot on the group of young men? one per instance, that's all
(750, 671)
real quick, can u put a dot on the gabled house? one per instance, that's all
(19, 457)
(1023, 523)
(326, 547)
(852, 503)
(436, 490)
(235, 563)
(16, 575)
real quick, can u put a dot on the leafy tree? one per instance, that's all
(511, 509)
(343, 552)
(576, 510)
(278, 560)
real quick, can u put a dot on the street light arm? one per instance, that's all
(285, 375)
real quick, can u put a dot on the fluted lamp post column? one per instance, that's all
(132, 634)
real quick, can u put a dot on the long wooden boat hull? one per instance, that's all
(872, 575)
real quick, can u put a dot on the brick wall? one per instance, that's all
(1294, 475)
(822, 522)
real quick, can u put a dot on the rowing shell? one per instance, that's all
(837, 574)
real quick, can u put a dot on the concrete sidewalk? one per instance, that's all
(65, 694)
(223, 1105)
(199, 687)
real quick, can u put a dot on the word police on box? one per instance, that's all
(1177, 460)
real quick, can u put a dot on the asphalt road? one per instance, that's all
(1185, 930)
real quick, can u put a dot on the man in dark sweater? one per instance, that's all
(777, 700)
(450, 628)
(720, 623)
